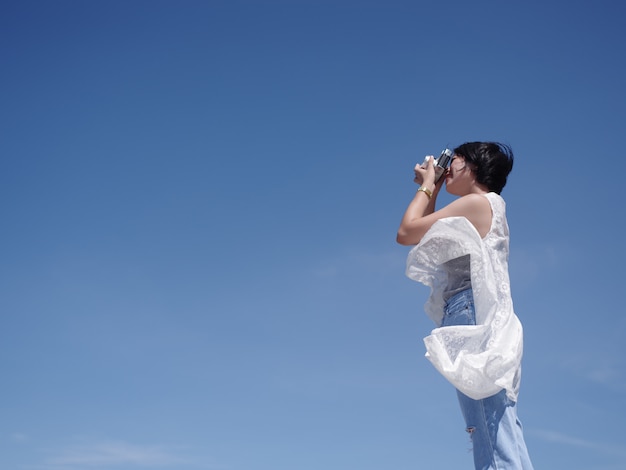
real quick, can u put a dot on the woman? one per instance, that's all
(462, 255)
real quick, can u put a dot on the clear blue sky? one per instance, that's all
(199, 203)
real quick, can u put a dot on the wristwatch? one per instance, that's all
(428, 192)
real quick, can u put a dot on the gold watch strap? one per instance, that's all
(427, 191)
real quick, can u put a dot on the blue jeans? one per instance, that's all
(495, 431)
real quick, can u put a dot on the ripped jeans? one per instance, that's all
(492, 423)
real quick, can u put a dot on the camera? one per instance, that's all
(441, 164)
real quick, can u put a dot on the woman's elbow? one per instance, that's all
(409, 235)
(403, 239)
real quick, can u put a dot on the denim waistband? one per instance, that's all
(459, 298)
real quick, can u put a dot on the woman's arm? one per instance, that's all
(415, 222)
(423, 204)
(474, 207)
(420, 215)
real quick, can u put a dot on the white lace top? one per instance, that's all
(482, 359)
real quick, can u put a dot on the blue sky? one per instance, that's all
(199, 203)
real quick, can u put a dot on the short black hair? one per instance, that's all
(491, 162)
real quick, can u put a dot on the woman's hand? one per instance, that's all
(425, 174)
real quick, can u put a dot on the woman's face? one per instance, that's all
(459, 177)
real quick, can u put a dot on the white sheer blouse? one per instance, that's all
(482, 359)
